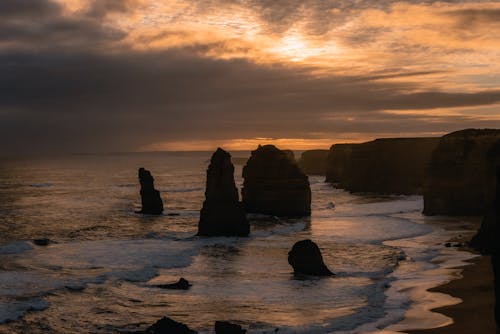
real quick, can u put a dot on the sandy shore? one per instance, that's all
(475, 314)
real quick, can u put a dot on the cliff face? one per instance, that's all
(222, 213)
(313, 162)
(385, 166)
(274, 184)
(461, 176)
(339, 161)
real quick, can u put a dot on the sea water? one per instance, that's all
(100, 272)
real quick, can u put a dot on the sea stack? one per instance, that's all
(150, 197)
(275, 185)
(222, 213)
(305, 258)
(461, 175)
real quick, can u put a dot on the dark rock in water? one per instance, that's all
(275, 185)
(382, 166)
(42, 242)
(222, 213)
(224, 327)
(181, 284)
(461, 175)
(150, 197)
(305, 258)
(313, 162)
(168, 326)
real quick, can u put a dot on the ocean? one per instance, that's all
(99, 273)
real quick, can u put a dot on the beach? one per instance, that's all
(475, 314)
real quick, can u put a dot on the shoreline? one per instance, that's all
(475, 313)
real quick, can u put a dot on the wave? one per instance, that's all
(15, 248)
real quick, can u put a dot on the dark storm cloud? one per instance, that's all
(27, 9)
(86, 102)
(41, 24)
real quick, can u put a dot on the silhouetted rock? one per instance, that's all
(275, 185)
(150, 197)
(222, 213)
(382, 166)
(339, 163)
(305, 258)
(313, 162)
(224, 327)
(181, 284)
(461, 175)
(42, 242)
(487, 241)
(168, 326)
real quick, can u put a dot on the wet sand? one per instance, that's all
(475, 314)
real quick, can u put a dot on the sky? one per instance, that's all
(139, 75)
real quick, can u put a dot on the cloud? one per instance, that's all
(120, 101)
(113, 75)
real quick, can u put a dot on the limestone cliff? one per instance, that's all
(384, 166)
(461, 175)
(313, 162)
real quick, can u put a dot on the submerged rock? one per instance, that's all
(181, 284)
(168, 326)
(42, 242)
(222, 213)
(275, 185)
(382, 166)
(150, 197)
(461, 175)
(305, 258)
(224, 327)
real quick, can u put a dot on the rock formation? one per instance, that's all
(150, 197)
(383, 166)
(181, 284)
(487, 241)
(461, 175)
(222, 213)
(305, 258)
(275, 185)
(339, 163)
(313, 162)
(168, 326)
(224, 327)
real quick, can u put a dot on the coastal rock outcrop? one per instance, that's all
(383, 166)
(313, 162)
(224, 327)
(275, 185)
(150, 197)
(168, 326)
(222, 213)
(305, 258)
(461, 175)
(487, 241)
(181, 284)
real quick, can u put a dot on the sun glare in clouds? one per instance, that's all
(450, 47)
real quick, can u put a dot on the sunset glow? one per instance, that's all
(228, 72)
